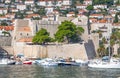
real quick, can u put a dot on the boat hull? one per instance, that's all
(27, 62)
(104, 65)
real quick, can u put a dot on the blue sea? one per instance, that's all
(34, 71)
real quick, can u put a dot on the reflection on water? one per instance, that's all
(28, 71)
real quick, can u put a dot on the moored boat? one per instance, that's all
(113, 63)
(46, 62)
(27, 62)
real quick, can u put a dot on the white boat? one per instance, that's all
(46, 62)
(5, 61)
(82, 62)
(113, 63)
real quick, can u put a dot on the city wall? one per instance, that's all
(76, 51)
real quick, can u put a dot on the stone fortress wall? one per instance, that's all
(76, 51)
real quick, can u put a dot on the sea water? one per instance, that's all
(34, 71)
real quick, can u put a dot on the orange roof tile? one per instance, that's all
(71, 13)
(7, 28)
(32, 15)
(96, 15)
(102, 21)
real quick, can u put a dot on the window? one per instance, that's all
(20, 33)
(27, 34)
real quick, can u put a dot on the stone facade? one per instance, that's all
(76, 51)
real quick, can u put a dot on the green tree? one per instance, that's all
(41, 11)
(68, 32)
(117, 2)
(101, 50)
(81, 1)
(107, 2)
(41, 37)
(95, 1)
(116, 18)
(104, 40)
(20, 15)
(89, 7)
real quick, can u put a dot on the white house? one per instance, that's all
(41, 3)
(10, 15)
(49, 3)
(96, 16)
(80, 20)
(67, 2)
(51, 17)
(81, 6)
(116, 25)
(104, 27)
(3, 18)
(81, 11)
(3, 10)
(70, 14)
(49, 9)
(59, 3)
(14, 10)
(100, 6)
(93, 20)
(21, 6)
(29, 2)
(29, 12)
(45, 18)
(87, 2)
(7, 1)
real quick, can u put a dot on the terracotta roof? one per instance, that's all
(71, 13)
(24, 29)
(96, 15)
(32, 15)
(25, 40)
(7, 28)
(3, 17)
(102, 21)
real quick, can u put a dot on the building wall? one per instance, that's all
(76, 51)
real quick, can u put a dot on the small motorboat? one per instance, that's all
(11, 63)
(27, 62)
(46, 62)
(7, 61)
(18, 63)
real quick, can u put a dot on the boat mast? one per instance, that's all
(109, 34)
(109, 46)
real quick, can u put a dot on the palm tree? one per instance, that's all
(101, 51)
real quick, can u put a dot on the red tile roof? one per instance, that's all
(7, 28)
